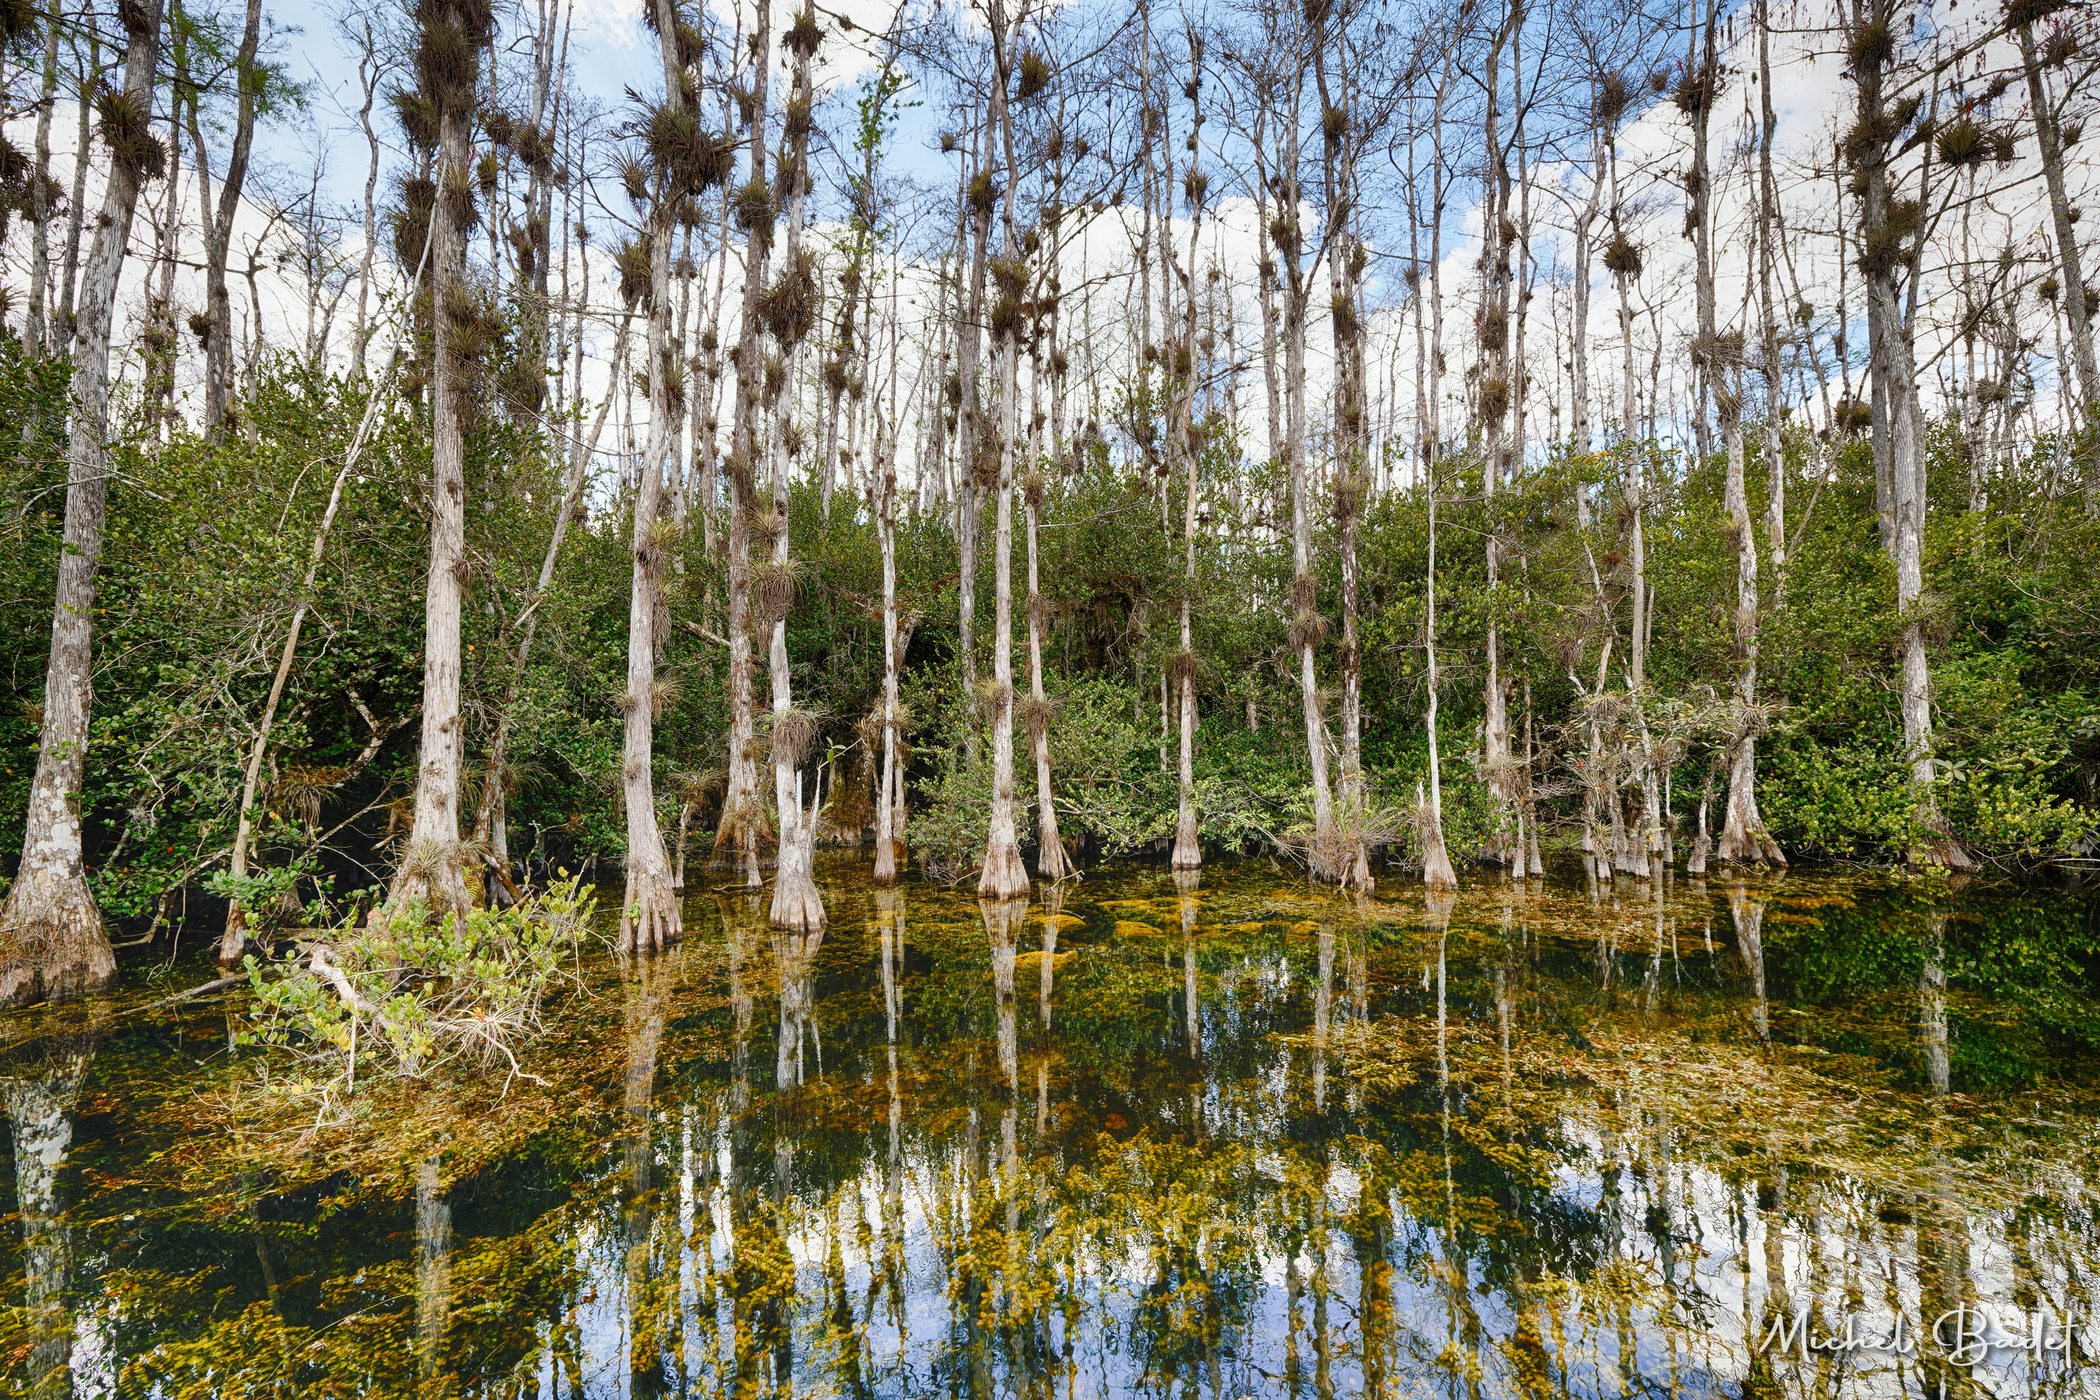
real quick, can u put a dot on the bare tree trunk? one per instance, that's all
(218, 345)
(65, 323)
(743, 826)
(1345, 264)
(2049, 137)
(160, 343)
(1004, 875)
(1886, 236)
(371, 71)
(890, 780)
(971, 426)
(38, 336)
(52, 941)
(1719, 360)
(1051, 862)
(650, 918)
(1771, 231)
(1183, 441)
(797, 904)
(1495, 396)
(432, 868)
(1436, 856)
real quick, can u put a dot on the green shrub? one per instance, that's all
(408, 996)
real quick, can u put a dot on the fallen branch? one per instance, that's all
(217, 984)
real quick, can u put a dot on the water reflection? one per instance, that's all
(1245, 1142)
(40, 1084)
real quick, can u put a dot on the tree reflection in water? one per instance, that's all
(1525, 1141)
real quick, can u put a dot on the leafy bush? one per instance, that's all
(410, 995)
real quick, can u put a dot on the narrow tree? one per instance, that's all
(52, 942)
(1004, 876)
(453, 36)
(248, 77)
(1889, 226)
(743, 826)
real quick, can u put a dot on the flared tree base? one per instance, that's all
(742, 834)
(52, 942)
(1004, 876)
(797, 905)
(1744, 839)
(650, 919)
(1437, 873)
(431, 877)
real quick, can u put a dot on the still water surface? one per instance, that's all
(1239, 1139)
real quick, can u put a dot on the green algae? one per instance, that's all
(1241, 1141)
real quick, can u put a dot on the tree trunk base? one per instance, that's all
(1437, 873)
(1188, 851)
(1052, 861)
(797, 904)
(434, 877)
(1937, 851)
(650, 919)
(1749, 846)
(1005, 875)
(233, 941)
(742, 832)
(52, 942)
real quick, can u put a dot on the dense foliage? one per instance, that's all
(208, 543)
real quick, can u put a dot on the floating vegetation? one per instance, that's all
(1229, 1140)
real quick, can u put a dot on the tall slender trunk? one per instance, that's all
(370, 72)
(743, 825)
(650, 918)
(37, 335)
(970, 476)
(66, 322)
(52, 941)
(2048, 136)
(1436, 856)
(1182, 440)
(797, 904)
(1051, 862)
(1345, 268)
(431, 869)
(1887, 235)
(1004, 876)
(218, 345)
(1770, 232)
(889, 783)
(1495, 398)
(1719, 360)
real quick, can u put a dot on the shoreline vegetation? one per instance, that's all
(1015, 443)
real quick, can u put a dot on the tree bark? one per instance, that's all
(650, 919)
(2049, 138)
(797, 903)
(52, 941)
(433, 868)
(38, 335)
(218, 346)
(1004, 876)
(743, 826)
(1886, 236)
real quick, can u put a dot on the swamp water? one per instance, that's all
(1240, 1140)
